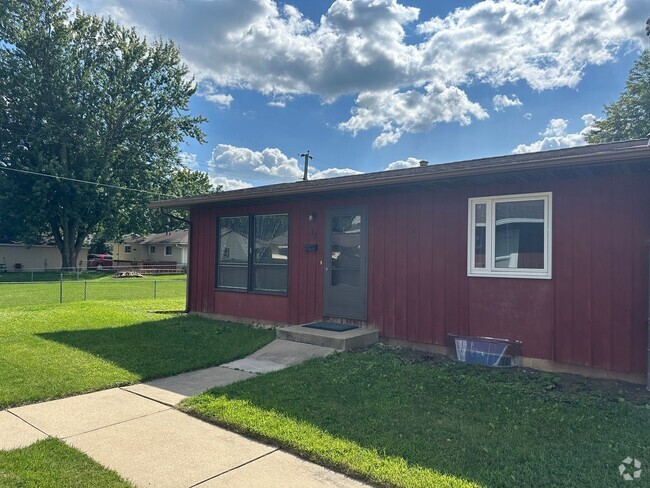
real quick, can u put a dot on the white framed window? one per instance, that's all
(152, 249)
(168, 250)
(510, 236)
(127, 249)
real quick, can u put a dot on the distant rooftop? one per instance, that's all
(172, 237)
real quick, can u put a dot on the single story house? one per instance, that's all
(547, 248)
(164, 248)
(18, 256)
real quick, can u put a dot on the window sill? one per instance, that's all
(234, 290)
(253, 292)
(522, 275)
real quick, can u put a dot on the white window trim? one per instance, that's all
(127, 249)
(490, 270)
(171, 250)
(152, 249)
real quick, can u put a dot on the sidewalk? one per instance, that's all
(136, 431)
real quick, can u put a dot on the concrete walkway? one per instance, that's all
(136, 431)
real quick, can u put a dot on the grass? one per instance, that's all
(54, 351)
(51, 463)
(102, 287)
(405, 419)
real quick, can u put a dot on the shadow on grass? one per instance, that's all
(166, 347)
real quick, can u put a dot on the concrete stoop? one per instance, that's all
(342, 341)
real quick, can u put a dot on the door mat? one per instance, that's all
(331, 326)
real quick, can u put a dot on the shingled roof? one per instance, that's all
(613, 152)
(171, 237)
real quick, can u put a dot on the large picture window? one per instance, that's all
(510, 236)
(253, 253)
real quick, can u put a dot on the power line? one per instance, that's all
(96, 183)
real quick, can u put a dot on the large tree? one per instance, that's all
(135, 215)
(87, 99)
(629, 116)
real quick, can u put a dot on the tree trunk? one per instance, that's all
(69, 257)
(68, 239)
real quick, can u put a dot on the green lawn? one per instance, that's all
(100, 288)
(58, 350)
(51, 463)
(399, 418)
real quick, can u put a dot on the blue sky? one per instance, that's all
(370, 85)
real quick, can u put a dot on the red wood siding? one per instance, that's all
(592, 312)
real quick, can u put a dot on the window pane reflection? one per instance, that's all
(479, 235)
(519, 235)
(271, 252)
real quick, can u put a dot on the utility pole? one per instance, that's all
(307, 158)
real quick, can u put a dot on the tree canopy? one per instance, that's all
(87, 99)
(629, 116)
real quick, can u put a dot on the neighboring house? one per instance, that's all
(167, 247)
(16, 256)
(548, 248)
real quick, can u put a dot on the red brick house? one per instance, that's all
(548, 248)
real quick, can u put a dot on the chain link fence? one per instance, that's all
(38, 287)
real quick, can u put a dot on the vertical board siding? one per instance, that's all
(401, 271)
(622, 226)
(376, 265)
(562, 274)
(601, 272)
(390, 264)
(438, 269)
(592, 312)
(641, 234)
(581, 337)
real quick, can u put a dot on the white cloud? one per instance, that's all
(268, 165)
(528, 116)
(499, 102)
(547, 44)
(280, 101)
(271, 165)
(412, 111)
(189, 160)
(359, 47)
(403, 164)
(333, 173)
(209, 92)
(228, 184)
(556, 136)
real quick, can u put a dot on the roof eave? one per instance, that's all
(346, 183)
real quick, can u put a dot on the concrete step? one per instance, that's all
(342, 341)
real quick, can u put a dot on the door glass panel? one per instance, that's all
(346, 250)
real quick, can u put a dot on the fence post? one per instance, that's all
(85, 289)
(61, 288)
(155, 286)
